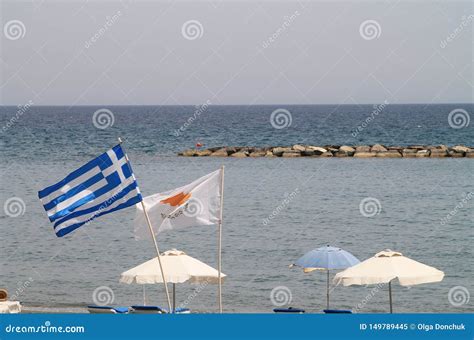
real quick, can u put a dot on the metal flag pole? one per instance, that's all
(219, 253)
(327, 290)
(154, 241)
(390, 295)
(174, 297)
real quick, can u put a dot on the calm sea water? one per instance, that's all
(317, 202)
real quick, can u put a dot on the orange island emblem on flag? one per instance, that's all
(177, 200)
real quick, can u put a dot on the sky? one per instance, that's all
(235, 52)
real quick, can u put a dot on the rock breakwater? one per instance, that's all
(360, 151)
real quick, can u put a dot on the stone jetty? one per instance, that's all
(360, 151)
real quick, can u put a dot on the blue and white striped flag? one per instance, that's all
(104, 185)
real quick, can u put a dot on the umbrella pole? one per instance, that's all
(219, 251)
(327, 290)
(174, 297)
(390, 295)
(152, 236)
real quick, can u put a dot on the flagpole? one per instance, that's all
(154, 241)
(219, 254)
(158, 255)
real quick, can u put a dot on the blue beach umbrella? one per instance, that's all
(326, 258)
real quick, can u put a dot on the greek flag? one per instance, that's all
(104, 185)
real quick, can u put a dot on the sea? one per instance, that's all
(275, 209)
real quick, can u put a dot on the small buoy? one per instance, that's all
(198, 145)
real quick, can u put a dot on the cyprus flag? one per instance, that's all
(195, 204)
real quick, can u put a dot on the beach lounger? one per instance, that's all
(157, 310)
(289, 310)
(148, 310)
(3, 295)
(337, 311)
(180, 310)
(107, 310)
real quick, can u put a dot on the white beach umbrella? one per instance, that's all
(386, 266)
(178, 268)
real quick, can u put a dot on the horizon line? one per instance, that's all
(201, 104)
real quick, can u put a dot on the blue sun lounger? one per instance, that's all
(156, 310)
(148, 310)
(337, 311)
(180, 310)
(289, 310)
(93, 309)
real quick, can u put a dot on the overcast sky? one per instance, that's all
(235, 52)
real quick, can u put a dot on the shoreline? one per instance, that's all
(339, 151)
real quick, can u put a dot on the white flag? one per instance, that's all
(195, 204)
